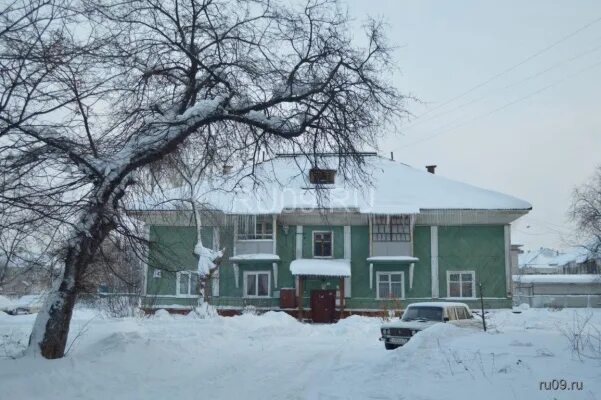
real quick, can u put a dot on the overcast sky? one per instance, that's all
(531, 130)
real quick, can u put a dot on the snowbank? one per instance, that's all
(273, 356)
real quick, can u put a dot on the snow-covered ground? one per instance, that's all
(274, 357)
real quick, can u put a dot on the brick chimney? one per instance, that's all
(431, 168)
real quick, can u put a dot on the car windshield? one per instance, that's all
(423, 313)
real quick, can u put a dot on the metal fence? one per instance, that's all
(559, 301)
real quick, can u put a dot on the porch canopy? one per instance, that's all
(321, 267)
(306, 268)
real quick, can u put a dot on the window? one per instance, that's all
(322, 244)
(391, 228)
(322, 176)
(420, 312)
(255, 227)
(460, 284)
(156, 273)
(187, 283)
(257, 283)
(462, 313)
(390, 285)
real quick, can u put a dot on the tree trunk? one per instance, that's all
(51, 328)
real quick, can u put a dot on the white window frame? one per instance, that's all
(380, 273)
(266, 238)
(178, 284)
(472, 273)
(313, 244)
(388, 229)
(245, 280)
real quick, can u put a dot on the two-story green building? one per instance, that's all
(309, 240)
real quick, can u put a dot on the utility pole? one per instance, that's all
(482, 306)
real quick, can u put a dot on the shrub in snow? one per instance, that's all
(205, 310)
(250, 310)
(390, 309)
(583, 336)
(116, 306)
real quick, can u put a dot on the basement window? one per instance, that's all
(391, 228)
(322, 176)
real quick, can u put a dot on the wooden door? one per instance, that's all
(323, 306)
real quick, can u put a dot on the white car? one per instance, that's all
(419, 316)
(30, 303)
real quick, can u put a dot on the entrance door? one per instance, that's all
(323, 305)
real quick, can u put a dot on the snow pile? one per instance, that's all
(162, 314)
(273, 356)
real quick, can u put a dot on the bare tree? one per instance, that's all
(189, 169)
(586, 212)
(95, 90)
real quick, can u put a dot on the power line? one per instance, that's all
(511, 68)
(519, 82)
(529, 95)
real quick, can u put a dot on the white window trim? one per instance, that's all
(255, 230)
(178, 285)
(244, 284)
(313, 244)
(380, 273)
(472, 273)
(389, 225)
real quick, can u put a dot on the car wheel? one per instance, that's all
(390, 346)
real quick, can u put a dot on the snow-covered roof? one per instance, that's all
(392, 259)
(552, 259)
(321, 267)
(256, 257)
(558, 278)
(391, 188)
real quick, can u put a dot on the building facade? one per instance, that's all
(417, 237)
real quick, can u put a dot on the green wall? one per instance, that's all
(474, 247)
(480, 248)
(172, 250)
(338, 232)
